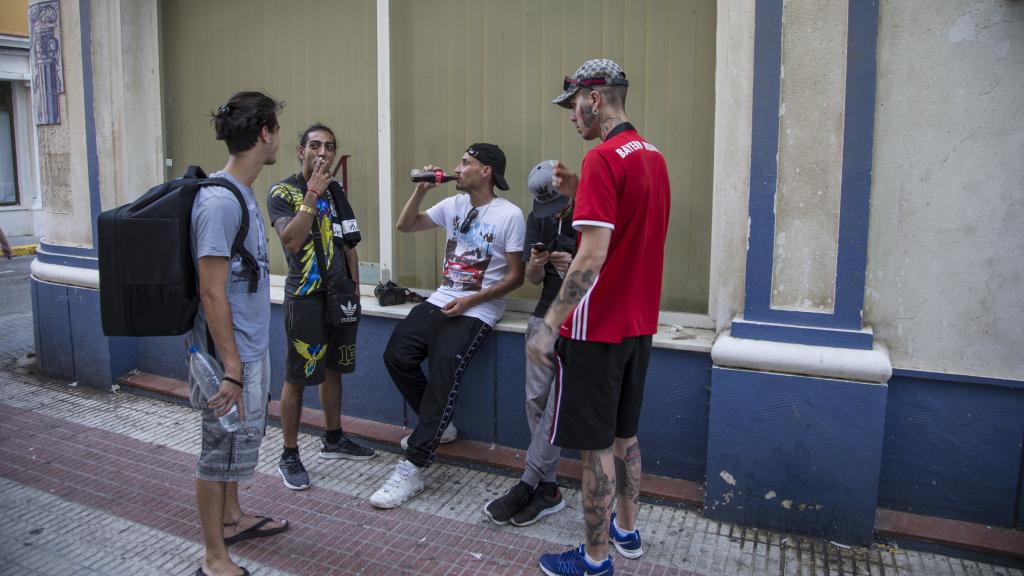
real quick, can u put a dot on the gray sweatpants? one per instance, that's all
(541, 457)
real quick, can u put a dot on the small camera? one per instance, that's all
(389, 294)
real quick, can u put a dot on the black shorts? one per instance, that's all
(313, 344)
(599, 390)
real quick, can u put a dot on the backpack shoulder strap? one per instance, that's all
(194, 172)
(238, 245)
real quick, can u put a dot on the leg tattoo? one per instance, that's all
(627, 475)
(597, 498)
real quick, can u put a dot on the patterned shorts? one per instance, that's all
(313, 344)
(232, 456)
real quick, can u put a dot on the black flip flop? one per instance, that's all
(255, 532)
(199, 572)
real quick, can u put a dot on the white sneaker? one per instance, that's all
(404, 483)
(450, 434)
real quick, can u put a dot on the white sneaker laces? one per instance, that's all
(402, 471)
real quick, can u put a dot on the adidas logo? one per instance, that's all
(349, 309)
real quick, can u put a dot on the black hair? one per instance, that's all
(317, 127)
(239, 122)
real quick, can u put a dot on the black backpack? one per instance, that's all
(148, 280)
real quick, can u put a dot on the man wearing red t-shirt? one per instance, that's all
(606, 312)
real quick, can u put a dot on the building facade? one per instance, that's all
(841, 319)
(20, 200)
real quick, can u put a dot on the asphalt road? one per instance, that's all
(15, 289)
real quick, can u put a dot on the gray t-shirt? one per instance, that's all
(216, 216)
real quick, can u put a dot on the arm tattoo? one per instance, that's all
(627, 475)
(544, 326)
(575, 287)
(597, 500)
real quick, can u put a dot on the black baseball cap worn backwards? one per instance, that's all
(490, 155)
(593, 73)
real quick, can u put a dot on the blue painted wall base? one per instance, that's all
(70, 344)
(69, 338)
(796, 334)
(795, 453)
(952, 446)
(953, 449)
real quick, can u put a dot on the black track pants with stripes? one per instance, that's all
(448, 344)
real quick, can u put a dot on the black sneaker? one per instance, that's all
(345, 448)
(501, 509)
(547, 499)
(293, 472)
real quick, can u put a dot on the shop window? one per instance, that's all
(8, 160)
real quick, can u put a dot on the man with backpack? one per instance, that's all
(318, 230)
(234, 315)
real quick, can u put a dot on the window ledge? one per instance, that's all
(669, 337)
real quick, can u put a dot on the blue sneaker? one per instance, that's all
(574, 563)
(627, 543)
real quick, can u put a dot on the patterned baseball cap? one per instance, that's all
(546, 200)
(595, 72)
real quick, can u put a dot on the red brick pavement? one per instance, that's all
(332, 533)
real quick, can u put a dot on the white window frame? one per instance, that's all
(679, 330)
(14, 68)
(524, 305)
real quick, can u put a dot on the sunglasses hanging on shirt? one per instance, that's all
(471, 216)
(468, 220)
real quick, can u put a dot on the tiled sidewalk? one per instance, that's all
(93, 482)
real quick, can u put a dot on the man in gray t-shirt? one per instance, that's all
(216, 216)
(236, 319)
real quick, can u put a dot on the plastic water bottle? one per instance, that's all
(208, 375)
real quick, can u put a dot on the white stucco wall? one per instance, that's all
(127, 113)
(945, 277)
(62, 151)
(126, 81)
(810, 155)
(734, 81)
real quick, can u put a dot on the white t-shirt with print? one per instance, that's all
(476, 260)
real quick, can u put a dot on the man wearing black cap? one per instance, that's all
(605, 313)
(552, 242)
(482, 263)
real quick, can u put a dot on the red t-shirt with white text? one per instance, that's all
(623, 186)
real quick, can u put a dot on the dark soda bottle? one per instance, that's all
(432, 176)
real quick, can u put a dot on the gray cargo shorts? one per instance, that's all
(232, 456)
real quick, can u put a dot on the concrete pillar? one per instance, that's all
(798, 385)
(105, 151)
(63, 157)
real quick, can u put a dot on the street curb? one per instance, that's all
(24, 250)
